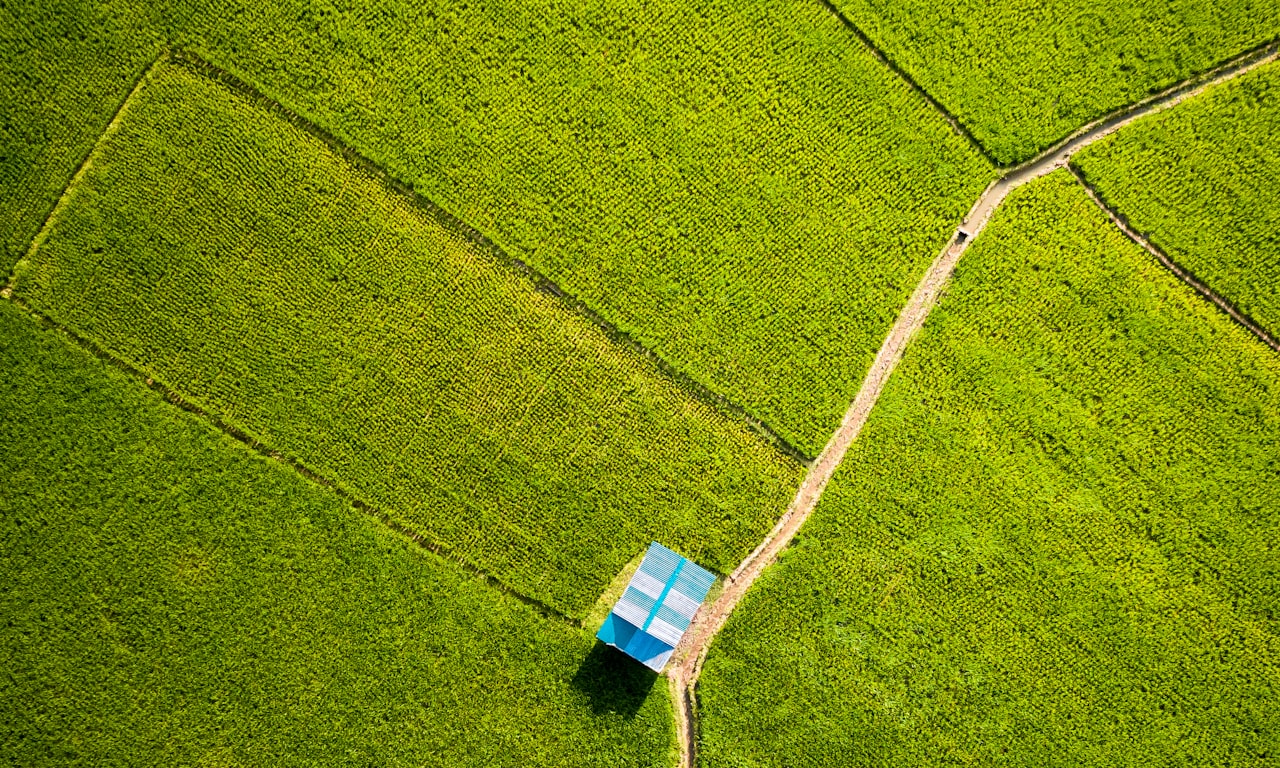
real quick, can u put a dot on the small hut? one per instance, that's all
(652, 615)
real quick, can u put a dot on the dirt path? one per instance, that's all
(686, 664)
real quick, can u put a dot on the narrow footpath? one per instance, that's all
(686, 663)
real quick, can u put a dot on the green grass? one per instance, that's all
(740, 186)
(1201, 182)
(172, 598)
(238, 261)
(1053, 543)
(1021, 75)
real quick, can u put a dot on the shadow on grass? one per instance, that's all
(613, 682)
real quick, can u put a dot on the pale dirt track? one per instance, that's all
(686, 663)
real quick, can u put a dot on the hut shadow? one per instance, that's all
(613, 682)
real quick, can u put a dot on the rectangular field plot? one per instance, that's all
(1202, 182)
(740, 186)
(171, 598)
(232, 257)
(1053, 544)
(1022, 75)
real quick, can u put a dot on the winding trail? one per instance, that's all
(686, 663)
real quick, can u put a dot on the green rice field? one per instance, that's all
(1199, 181)
(327, 317)
(354, 354)
(173, 598)
(1051, 544)
(759, 231)
(1022, 75)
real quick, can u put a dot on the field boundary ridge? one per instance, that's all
(81, 169)
(880, 55)
(1182, 273)
(568, 301)
(173, 397)
(1174, 94)
(687, 661)
(1214, 73)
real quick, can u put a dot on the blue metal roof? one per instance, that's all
(651, 616)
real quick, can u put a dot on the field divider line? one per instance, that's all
(1156, 102)
(1230, 67)
(883, 57)
(690, 654)
(113, 125)
(568, 301)
(173, 397)
(1122, 223)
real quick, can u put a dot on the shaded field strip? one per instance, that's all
(1180, 272)
(686, 664)
(448, 221)
(176, 399)
(884, 59)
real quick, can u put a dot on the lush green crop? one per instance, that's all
(64, 68)
(1022, 75)
(170, 598)
(1053, 543)
(234, 258)
(1203, 182)
(741, 186)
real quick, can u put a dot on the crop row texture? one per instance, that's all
(742, 187)
(234, 258)
(64, 68)
(1022, 75)
(1053, 544)
(1203, 183)
(170, 598)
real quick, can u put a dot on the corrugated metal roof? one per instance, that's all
(651, 616)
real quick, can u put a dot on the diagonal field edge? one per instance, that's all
(174, 398)
(448, 221)
(1214, 72)
(85, 163)
(686, 666)
(1182, 273)
(956, 124)
(1168, 97)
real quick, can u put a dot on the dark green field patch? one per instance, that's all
(234, 258)
(171, 598)
(1053, 544)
